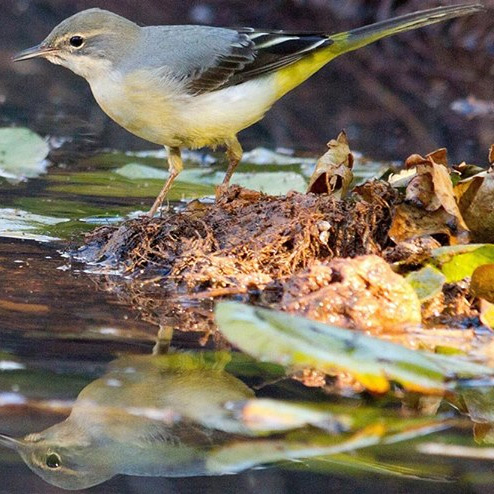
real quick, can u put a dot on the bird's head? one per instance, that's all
(89, 43)
(72, 466)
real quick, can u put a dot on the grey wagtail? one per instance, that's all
(195, 86)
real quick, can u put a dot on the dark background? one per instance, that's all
(393, 98)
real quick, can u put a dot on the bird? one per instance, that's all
(194, 86)
(147, 415)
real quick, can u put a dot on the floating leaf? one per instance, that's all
(298, 343)
(22, 154)
(104, 184)
(275, 183)
(427, 282)
(263, 156)
(139, 171)
(15, 223)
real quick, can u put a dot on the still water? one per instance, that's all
(95, 399)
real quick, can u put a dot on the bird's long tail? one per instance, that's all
(356, 38)
(293, 75)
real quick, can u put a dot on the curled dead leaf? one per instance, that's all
(475, 198)
(431, 206)
(333, 174)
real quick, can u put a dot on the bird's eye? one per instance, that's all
(53, 460)
(76, 41)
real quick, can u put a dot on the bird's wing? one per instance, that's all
(251, 54)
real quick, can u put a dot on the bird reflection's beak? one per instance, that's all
(10, 442)
(35, 51)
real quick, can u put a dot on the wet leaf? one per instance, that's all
(104, 184)
(22, 154)
(410, 222)
(333, 173)
(458, 262)
(299, 343)
(427, 282)
(15, 223)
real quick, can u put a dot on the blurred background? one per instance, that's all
(429, 88)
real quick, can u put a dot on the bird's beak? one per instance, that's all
(35, 51)
(10, 442)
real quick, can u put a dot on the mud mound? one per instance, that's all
(246, 239)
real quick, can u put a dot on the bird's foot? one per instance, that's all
(221, 190)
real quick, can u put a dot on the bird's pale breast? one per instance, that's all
(161, 111)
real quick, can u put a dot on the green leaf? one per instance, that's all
(298, 343)
(104, 184)
(460, 261)
(16, 223)
(427, 282)
(22, 154)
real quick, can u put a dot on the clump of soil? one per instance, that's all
(245, 240)
(360, 293)
(312, 254)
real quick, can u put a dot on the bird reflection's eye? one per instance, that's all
(53, 461)
(76, 41)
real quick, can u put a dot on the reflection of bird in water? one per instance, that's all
(155, 416)
(182, 415)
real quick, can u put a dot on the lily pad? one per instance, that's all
(22, 154)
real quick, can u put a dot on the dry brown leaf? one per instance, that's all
(411, 222)
(431, 203)
(475, 197)
(443, 187)
(333, 174)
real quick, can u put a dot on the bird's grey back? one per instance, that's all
(186, 50)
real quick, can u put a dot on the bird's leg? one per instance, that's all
(163, 340)
(175, 166)
(234, 152)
